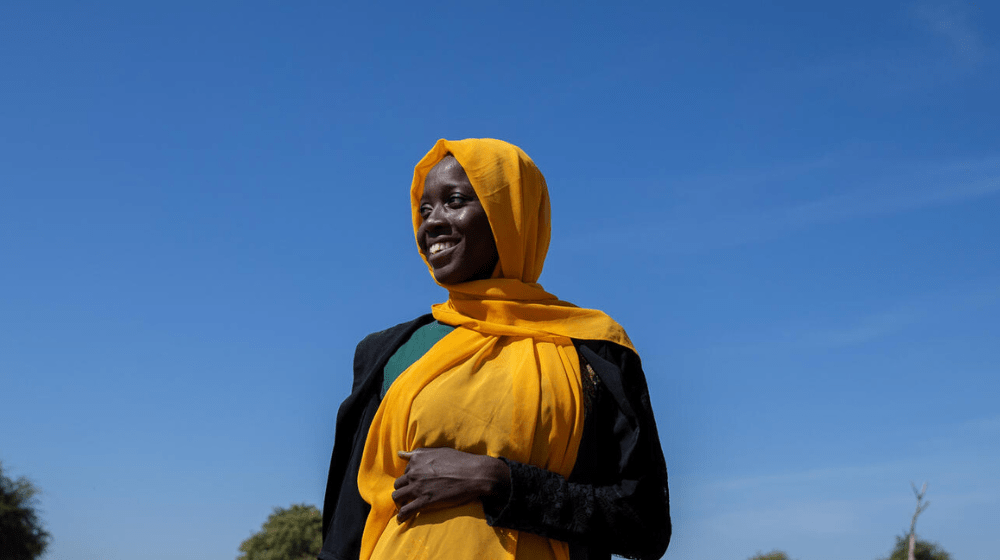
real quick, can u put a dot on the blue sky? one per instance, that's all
(792, 208)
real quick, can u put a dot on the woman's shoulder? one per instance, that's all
(615, 354)
(375, 349)
(620, 372)
(392, 336)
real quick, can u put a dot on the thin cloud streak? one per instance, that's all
(941, 187)
(866, 500)
(947, 184)
(951, 448)
(952, 22)
(705, 223)
(871, 327)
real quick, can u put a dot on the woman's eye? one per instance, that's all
(456, 199)
(425, 211)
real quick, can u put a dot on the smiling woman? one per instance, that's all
(506, 423)
(455, 235)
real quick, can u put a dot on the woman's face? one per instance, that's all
(455, 234)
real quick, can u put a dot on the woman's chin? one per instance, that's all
(445, 278)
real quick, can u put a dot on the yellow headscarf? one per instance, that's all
(506, 382)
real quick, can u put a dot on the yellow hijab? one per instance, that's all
(506, 382)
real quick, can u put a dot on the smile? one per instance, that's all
(440, 246)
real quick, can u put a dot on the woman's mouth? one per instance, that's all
(440, 246)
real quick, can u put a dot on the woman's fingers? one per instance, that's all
(408, 502)
(406, 455)
(402, 495)
(401, 481)
(409, 510)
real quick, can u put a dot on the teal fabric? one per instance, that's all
(419, 343)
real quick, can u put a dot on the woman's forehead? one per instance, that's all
(447, 163)
(446, 174)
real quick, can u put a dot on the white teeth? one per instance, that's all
(438, 247)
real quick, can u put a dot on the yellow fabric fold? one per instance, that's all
(506, 382)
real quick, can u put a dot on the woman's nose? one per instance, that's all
(435, 220)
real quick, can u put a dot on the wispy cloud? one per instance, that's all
(860, 330)
(895, 319)
(812, 518)
(953, 22)
(869, 501)
(947, 184)
(947, 47)
(798, 478)
(868, 329)
(954, 448)
(886, 323)
(726, 212)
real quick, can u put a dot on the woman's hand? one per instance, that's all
(442, 476)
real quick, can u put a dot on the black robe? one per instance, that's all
(614, 502)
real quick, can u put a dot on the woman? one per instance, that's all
(506, 423)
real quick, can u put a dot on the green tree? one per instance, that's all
(924, 550)
(21, 534)
(288, 534)
(773, 555)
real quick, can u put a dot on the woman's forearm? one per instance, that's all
(628, 518)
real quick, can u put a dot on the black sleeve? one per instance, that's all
(344, 511)
(616, 500)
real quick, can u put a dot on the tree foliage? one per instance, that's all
(773, 555)
(21, 534)
(288, 534)
(924, 550)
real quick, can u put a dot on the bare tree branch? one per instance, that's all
(921, 506)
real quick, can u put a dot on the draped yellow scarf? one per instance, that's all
(506, 382)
